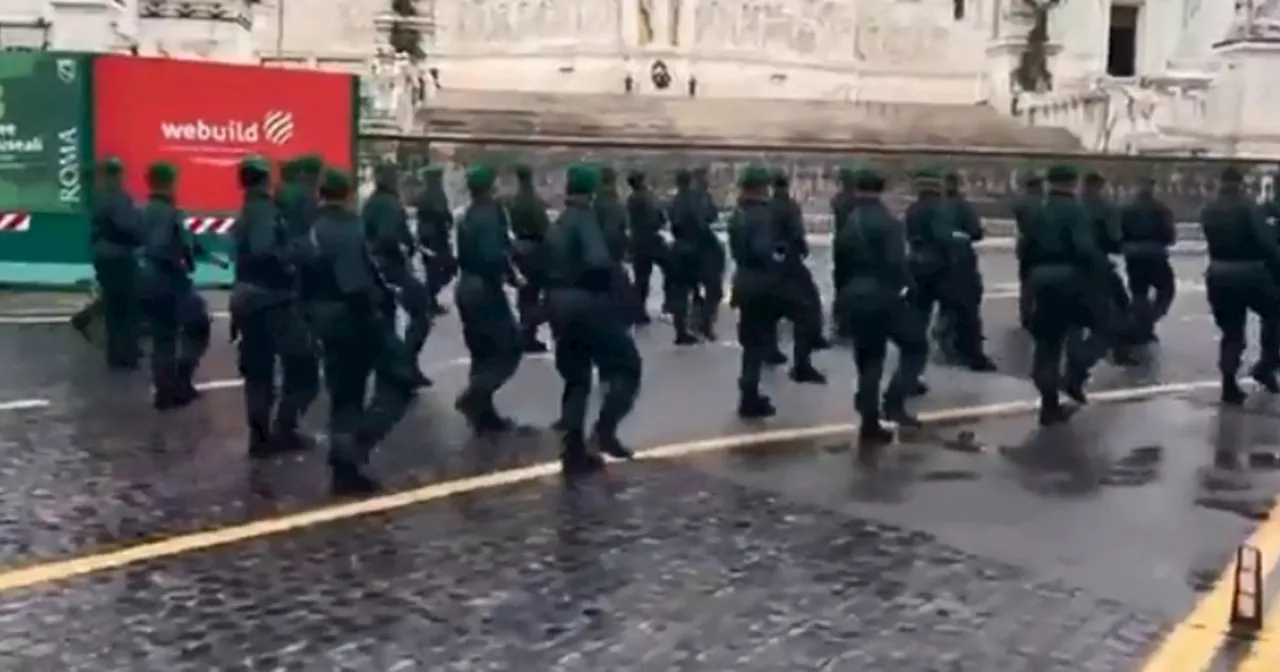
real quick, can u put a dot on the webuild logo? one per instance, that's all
(276, 127)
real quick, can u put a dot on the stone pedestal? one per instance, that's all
(1003, 57)
(1244, 98)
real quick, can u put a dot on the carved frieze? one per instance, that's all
(517, 21)
(887, 31)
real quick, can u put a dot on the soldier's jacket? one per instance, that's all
(841, 206)
(115, 228)
(1242, 249)
(929, 232)
(529, 220)
(1146, 228)
(1104, 221)
(484, 243)
(964, 218)
(264, 256)
(611, 215)
(169, 251)
(299, 205)
(872, 248)
(646, 219)
(1061, 247)
(756, 247)
(577, 250)
(435, 224)
(966, 229)
(1026, 208)
(790, 223)
(341, 267)
(386, 227)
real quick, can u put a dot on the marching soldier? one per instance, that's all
(1147, 231)
(690, 238)
(1112, 298)
(588, 330)
(268, 320)
(710, 287)
(350, 309)
(799, 278)
(386, 226)
(435, 235)
(963, 284)
(179, 317)
(115, 236)
(489, 325)
(759, 253)
(1062, 260)
(647, 246)
(611, 215)
(873, 302)
(1026, 207)
(529, 222)
(841, 206)
(1244, 264)
(298, 201)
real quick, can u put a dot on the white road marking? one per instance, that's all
(24, 404)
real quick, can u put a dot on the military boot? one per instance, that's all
(755, 406)
(895, 411)
(349, 467)
(1232, 395)
(576, 461)
(609, 444)
(1265, 377)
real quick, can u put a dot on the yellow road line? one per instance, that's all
(61, 570)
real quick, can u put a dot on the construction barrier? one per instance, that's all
(60, 113)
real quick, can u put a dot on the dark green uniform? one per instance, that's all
(712, 262)
(114, 238)
(1112, 298)
(1026, 207)
(647, 246)
(588, 329)
(801, 287)
(611, 213)
(386, 228)
(759, 253)
(1062, 261)
(873, 300)
(435, 234)
(841, 206)
(179, 317)
(488, 324)
(1147, 232)
(690, 238)
(1244, 264)
(268, 320)
(931, 248)
(349, 314)
(298, 202)
(529, 223)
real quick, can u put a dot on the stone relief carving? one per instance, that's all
(896, 34)
(799, 27)
(508, 21)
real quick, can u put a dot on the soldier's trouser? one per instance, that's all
(1058, 320)
(962, 314)
(1148, 275)
(1117, 327)
(493, 338)
(276, 334)
(841, 326)
(589, 334)
(364, 346)
(708, 295)
(810, 297)
(532, 312)
(1026, 298)
(625, 302)
(795, 307)
(180, 338)
(872, 331)
(679, 287)
(642, 265)
(1230, 304)
(758, 336)
(415, 300)
(117, 281)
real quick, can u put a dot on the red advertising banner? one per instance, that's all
(205, 117)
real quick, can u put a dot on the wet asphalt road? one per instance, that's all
(1016, 549)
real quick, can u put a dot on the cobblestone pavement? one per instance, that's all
(981, 544)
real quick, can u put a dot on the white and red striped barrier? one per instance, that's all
(15, 221)
(214, 225)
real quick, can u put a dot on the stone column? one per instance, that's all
(1243, 103)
